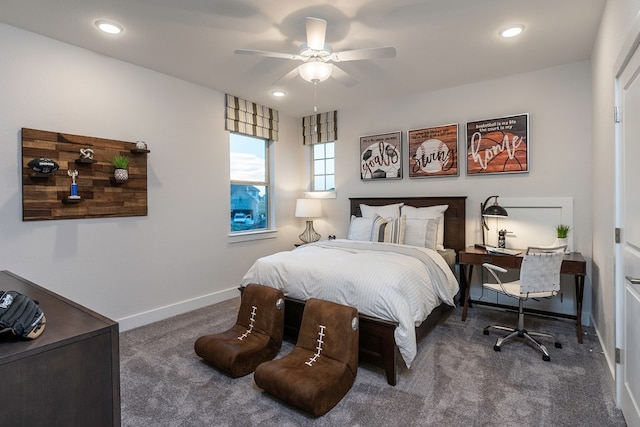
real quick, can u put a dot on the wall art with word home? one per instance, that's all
(497, 146)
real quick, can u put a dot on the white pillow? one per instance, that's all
(421, 232)
(360, 228)
(386, 211)
(429, 212)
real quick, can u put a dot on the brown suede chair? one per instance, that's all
(255, 338)
(322, 367)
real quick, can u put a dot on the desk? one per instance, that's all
(573, 263)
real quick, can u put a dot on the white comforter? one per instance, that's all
(388, 281)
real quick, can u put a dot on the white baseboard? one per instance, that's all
(165, 312)
(611, 364)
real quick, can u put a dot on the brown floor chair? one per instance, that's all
(255, 338)
(322, 367)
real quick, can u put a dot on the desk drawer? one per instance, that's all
(505, 261)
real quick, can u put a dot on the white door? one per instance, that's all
(628, 280)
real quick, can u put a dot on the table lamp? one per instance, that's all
(491, 211)
(309, 208)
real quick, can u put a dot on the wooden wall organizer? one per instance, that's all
(46, 196)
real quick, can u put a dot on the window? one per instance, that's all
(249, 179)
(323, 166)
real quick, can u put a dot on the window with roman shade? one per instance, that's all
(321, 127)
(320, 131)
(251, 119)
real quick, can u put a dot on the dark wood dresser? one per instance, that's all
(70, 375)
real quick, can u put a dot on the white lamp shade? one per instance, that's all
(315, 71)
(308, 208)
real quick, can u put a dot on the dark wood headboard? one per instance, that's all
(454, 216)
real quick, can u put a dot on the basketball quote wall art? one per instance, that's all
(498, 145)
(433, 151)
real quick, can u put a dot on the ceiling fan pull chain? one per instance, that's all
(315, 96)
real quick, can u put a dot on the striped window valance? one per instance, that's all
(320, 128)
(250, 118)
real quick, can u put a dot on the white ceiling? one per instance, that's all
(440, 43)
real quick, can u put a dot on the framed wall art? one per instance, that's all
(381, 156)
(498, 145)
(433, 151)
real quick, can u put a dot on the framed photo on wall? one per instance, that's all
(381, 156)
(433, 151)
(499, 145)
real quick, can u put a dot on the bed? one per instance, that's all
(387, 335)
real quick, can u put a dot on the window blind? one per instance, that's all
(321, 127)
(250, 118)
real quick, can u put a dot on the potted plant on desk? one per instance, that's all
(562, 235)
(121, 174)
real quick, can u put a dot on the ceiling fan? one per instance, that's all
(319, 60)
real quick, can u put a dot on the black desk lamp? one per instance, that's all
(493, 211)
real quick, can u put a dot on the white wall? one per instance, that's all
(558, 101)
(133, 269)
(125, 267)
(617, 20)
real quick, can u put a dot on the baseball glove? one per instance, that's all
(20, 315)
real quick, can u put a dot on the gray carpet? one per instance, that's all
(456, 380)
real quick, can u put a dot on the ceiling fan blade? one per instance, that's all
(316, 31)
(359, 54)
(289, 76)
(268, 54)
(343, 77)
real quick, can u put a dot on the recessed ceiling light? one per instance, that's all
(278, 93)
(512, 31)
(109, 27)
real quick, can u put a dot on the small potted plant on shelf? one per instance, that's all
(121, 174)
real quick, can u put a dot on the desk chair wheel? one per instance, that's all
(557, 344)
(546, 358)
(486, 331)
(496, 348)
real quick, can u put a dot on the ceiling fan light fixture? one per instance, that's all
(315, 71)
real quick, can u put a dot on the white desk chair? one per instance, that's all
(539, 278)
